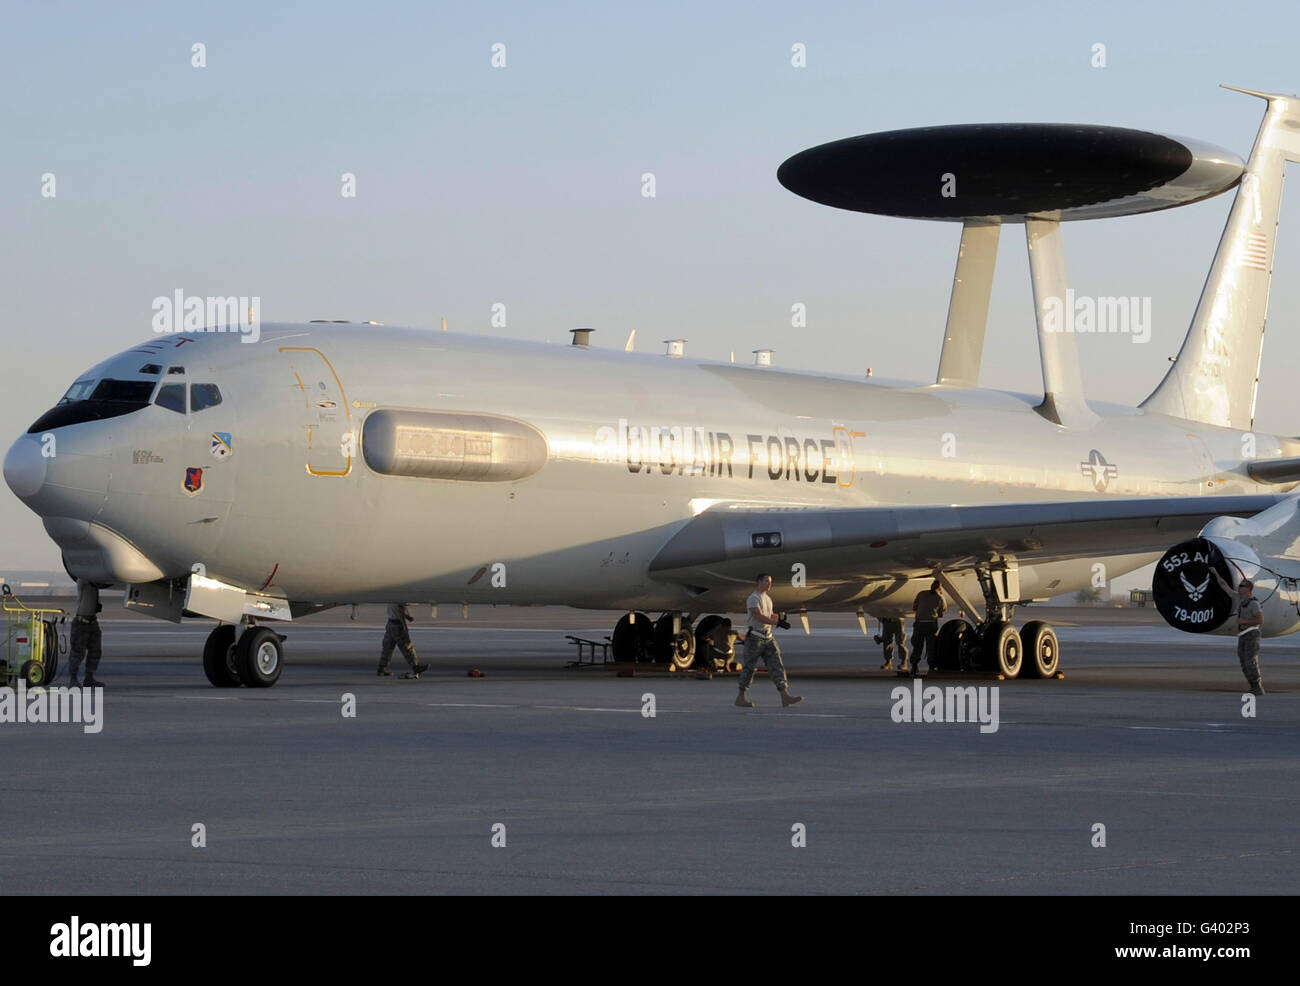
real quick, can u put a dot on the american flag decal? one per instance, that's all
(1255, 253)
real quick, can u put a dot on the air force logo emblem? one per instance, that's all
(1096, 468)
(193, 484)
(1195, 592)
(221, 445)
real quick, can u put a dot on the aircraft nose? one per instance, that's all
(25, 467)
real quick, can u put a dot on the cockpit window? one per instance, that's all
(90, 400)
(130, 391)
(204, 395)
(153, 368)
(172, 397)
(79, 391)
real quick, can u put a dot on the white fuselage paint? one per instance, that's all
(287, 506)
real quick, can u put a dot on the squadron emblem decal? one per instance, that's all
(1096, 468)
(221, 445)
(193, 484)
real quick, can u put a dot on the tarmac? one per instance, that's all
(541, 779)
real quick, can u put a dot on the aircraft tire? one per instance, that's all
(951, 637)
(706, 649)
(219, 657)
(1042, 650)
(260, 657)
(51, 657)
(633, 642)
(682, 653)
(676, 649)
(1003, 650)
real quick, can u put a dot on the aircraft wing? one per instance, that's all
(728, 544)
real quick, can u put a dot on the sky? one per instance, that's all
(521, 185)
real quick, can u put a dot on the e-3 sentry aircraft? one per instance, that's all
(337, 463)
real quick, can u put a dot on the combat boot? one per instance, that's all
(1257, 688)
(419, 668)
(743, 700)
(788, 700)
(384, 673)
(91, 682)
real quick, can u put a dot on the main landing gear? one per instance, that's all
(672, 640)
(993, 645)
(254, 659)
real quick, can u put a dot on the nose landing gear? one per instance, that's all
(255, 659)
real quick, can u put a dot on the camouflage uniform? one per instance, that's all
(928, 607)
(1248, 641)
(891, 630)
(396, 635)
(87, 641)
(760, 646)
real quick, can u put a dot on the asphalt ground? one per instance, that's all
(537, 779)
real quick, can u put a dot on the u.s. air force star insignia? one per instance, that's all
(1098, 470)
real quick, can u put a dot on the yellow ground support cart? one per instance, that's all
(32, 643)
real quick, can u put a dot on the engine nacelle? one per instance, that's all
(1190, 598)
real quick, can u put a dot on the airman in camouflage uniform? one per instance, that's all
(892, 636)
(87, 641)
(759, 645)
(1249, 619)
(396, 635)
(929, 608)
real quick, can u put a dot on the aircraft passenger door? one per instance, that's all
(328, 440)
(845, 461)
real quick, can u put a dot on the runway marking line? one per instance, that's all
(469, 705)
(585, 708)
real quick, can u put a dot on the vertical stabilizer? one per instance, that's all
(1217, 371)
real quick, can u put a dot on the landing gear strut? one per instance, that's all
(993, 644)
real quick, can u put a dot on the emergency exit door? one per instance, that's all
(328, 440)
